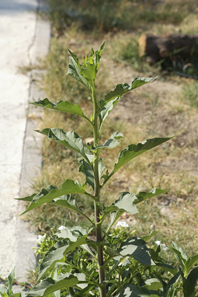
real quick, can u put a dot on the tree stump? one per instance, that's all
(174, 46)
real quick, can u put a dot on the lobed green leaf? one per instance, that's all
(132, 151)
(112, 141)
(48, 286)
(63, 106)
(114, 217)
(136, 248)
(69, 202)
(189, 264)
(75, 58)
(122, 89)
(101, 166)
(132, 290)
(86, 72)
(148, 237)
(171, 285)
(72, 233)
(89, 73)
(74, 70)
(180, 254)
(87, 170)
(83, 292)
(153, 284)
(11, 278)
(106, 109)
(69, 139)
(54, 254)
(125, 203)
(27, 198)
(158, 260)
(142, 196)
(97, 57)
(61, 248)
(52, 192)
(192, 280)
(111, 252)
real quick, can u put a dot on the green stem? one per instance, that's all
(97, 199)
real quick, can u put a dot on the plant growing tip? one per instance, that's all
(85, 73)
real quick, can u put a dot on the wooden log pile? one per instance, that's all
(174, 46)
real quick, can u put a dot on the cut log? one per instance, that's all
(175, 46)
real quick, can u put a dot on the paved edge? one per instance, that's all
(25, 258)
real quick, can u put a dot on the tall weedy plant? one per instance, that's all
(81, 264)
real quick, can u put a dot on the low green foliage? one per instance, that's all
(6, 290)
(100, 260)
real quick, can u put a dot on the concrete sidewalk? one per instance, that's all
(24, 37)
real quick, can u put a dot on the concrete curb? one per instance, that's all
(32, 158)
